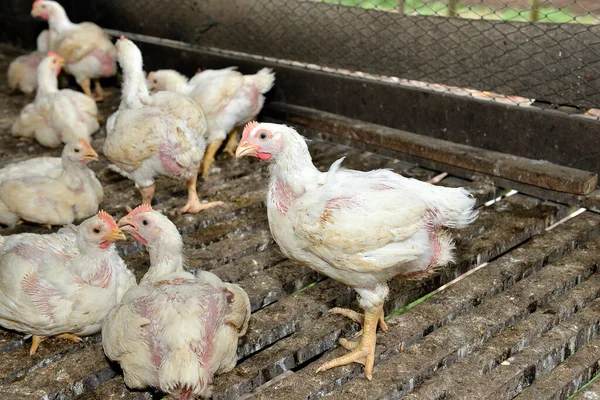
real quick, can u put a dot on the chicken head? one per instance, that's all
(80, 152)
(100, 231)
(143, 224)
(264, 143)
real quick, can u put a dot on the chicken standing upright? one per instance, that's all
(359, 228)
(228, 98)
(86, 48)
(57, 196)
(163, 134)
(56, 116)
(62, 284)
(22, 72)
(175, 330)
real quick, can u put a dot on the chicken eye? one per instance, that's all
(76, 150)
(155, 81)
(145, 222)
(96, 230)
(262, 136)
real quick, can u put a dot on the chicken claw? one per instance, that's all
(209, 157)
(35, 343)
(358, 317)
(36, 340)
(193, 204)
(362, 352)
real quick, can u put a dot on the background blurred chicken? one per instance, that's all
(228, 98)
(48, 198)
(162, 134)
(56, 116)
(62, 284)
(86, 48)
(22, 72)
(359, 228)
(175, 330)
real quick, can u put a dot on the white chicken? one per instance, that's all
(86, 48)
(163, 134)
(56, 196)
(359, 228)
(56, 116)
(229, 100)
(175, 330)
(22, 72)
(62, 284)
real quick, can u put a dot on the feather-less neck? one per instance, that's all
(166, 256)
(47, 80)
(294, 166)
(58, 21)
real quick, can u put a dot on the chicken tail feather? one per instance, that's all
(182, 373)
(264, 79)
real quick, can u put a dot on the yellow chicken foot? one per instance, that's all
(47, 226)
(71, 337)
(193, 204)
(232, 143)
(147, 194)
(209, 157)
(364, 351)
(99, 97)
(26, 139)
(35, 343)
(358, 317)
(85, 85)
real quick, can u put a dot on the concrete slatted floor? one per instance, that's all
(523, 326)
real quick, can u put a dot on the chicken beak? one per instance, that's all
(246, 149)
(126, 224)
(114, 235)
(61, 62)
(90, 155)
(35, 12)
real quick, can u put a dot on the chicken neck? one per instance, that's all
(166, 255)
(294, 167)
(59, 22)
(47, 82)
(135, 92)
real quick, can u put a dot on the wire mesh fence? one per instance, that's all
(515, 51)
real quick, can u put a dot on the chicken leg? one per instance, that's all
(209, 157)
(232, 143)
(99, 97)
(362, 352)
(147, 194)
(193, 204)
(85, 85)
(36, 340)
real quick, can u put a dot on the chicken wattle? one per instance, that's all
(86, 48)
(62, 284)
(175, 330)
(56, 196)
(359, 228)
(229, 100)
(163, 134)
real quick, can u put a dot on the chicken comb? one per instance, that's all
(141, 208)
(122, 37)
(248, 128)
(104, 216)
(150, 74)
(85, 143)
(37, 1)
(54, 54)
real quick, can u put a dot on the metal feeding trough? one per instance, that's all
(524, 324)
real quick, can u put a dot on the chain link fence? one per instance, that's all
(515, 51)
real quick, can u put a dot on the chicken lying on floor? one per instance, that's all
(175, 330)
(62, 284)
(151, 135)
(228, 98)
(359, 228)
(56, 116)
(56, 196)
(86, 48)
(22, 72)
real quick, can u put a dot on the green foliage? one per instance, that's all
(479, 11)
